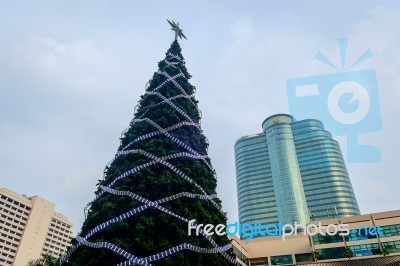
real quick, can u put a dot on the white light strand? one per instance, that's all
(132, 259)
(155, 133)
(155, 204)
(175, 56)
(178, 248)
(168, 80)
(172, 104)
(189, 247)
(171, 63)
(171, 57)
(175, 97)
(172, 79)
(147, 204)
(164, 132)
(174, 156)
(155, 160)
(113, 248)
(102, 226)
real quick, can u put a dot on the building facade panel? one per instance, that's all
(326, 182)
(288, 185)
(254, 181)
(29, 227)
(292, 172)
(367, 249)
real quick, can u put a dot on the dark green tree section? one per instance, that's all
(44, 260)
(152, 230)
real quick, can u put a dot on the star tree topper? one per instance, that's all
(178, 31)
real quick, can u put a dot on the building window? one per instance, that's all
(303, 257)
(326, 239)
(391, 230)
(259, 261)
(361, 234)
(237, 252)
(330, 253)
(366, 250)
(279, 260)
(391, 246)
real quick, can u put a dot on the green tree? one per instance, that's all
(160, 178)
(45, 260)
(348, 253)
(384, 252)
(315, 255)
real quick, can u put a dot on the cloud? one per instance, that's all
(255, 66)
(80, 177)
(79, 62)
(54, 122)
(65, 95)
(242, 33)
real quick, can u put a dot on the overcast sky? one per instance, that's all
(71, 73)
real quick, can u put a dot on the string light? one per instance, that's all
(191, 153)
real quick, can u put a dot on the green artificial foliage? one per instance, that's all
(152, 231)
(45, 260)
(315, 255)
(348, 253)
(384, 252)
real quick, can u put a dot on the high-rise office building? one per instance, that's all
(291, 172)
(29, 227)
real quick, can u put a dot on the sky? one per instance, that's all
(72, 72)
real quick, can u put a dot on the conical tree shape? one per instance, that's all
(160, 178)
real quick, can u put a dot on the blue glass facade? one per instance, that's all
(254, 181)
(292, 172)
(286, 177)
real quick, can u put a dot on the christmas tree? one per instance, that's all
(160, 179)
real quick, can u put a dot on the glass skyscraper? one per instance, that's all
(292, 172)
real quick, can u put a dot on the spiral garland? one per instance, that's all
(131, 259)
